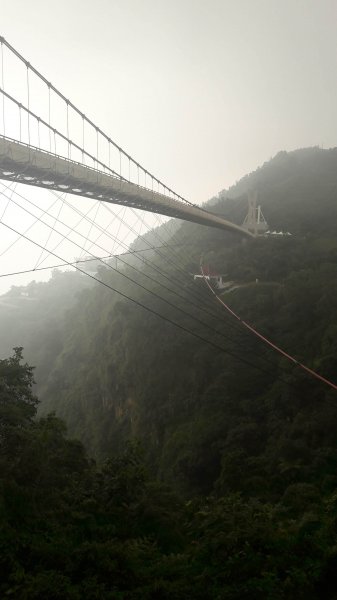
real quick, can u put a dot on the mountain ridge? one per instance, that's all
(109, 386)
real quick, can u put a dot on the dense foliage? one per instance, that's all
(232, 492)
(71, 530)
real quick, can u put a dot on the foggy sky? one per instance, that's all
(198, 92)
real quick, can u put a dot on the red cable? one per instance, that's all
(266, 340)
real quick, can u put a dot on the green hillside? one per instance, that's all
(123, 372)
(221, 478)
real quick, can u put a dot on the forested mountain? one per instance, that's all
(124, 372)
(245, 437)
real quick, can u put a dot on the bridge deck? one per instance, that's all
(32, 166)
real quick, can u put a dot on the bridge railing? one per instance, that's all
(34, 112)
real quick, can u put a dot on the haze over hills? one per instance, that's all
(71, 325)
(246, 438)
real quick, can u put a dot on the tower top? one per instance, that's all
(254, 221)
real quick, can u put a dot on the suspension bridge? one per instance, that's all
(47, 142)
(41, 145)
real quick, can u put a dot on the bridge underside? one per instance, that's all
(31, 166)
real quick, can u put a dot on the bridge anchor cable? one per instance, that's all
(264, 338)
